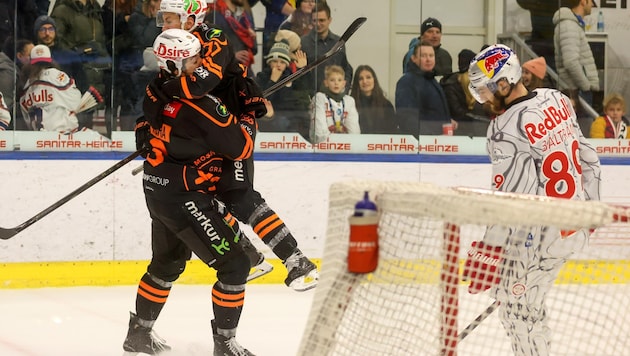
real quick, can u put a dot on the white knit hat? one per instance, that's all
(40, 53)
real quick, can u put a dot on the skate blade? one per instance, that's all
(260, 270)
(305, 283)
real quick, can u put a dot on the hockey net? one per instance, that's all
(415, 302)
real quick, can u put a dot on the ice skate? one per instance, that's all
(141, 339)
(260, 267)
(302, 273)
(227, 346)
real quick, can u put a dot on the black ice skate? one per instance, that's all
(227, 346)
(303, 273)
(141, 339)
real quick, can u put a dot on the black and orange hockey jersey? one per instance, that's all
(189, 147)
(220, 74)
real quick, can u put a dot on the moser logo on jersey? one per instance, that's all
(173, 53)
(43, 96)
(554, 116)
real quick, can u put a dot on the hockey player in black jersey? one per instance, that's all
(189, 140)
(225, 78)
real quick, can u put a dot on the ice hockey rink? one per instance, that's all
(93, 320)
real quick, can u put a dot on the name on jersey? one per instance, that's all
(43, 96)
(172, 53)
(163, 133)
(554, 116)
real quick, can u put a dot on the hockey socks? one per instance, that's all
(272, 230)
(227, 305)
(152, 294)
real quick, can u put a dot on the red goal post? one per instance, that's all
(415, 302)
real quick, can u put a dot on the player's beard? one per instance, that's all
(496, 105)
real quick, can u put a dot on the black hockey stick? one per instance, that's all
(6, 234)
(354, 26)
(472, 326)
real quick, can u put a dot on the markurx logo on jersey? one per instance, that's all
(553, 117)
(172, 53)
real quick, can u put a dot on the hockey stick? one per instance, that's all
(6, 234)
(473, 325)
(354, 26)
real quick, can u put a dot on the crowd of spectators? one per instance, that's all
(108, 47)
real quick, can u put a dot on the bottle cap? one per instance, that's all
(365, 207)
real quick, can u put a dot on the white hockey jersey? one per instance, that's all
(49, 103)
(330, 116)
(536, 147)
(5, 115)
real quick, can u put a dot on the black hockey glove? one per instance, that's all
(251, 97)
(154, 101)
(143, 135)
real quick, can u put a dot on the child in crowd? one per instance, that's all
(334, 111)
(534, 72)
(50, 95)
(612, 124)
(287, 108)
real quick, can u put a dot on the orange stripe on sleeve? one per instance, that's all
(185, 89)
(204, 113)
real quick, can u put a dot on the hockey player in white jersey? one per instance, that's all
(535, 147)
(51, 97)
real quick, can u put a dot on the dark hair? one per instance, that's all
(569, 3)
(322, 6)
(10, 48)
(378, 97)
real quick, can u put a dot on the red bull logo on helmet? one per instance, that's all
(492, 61)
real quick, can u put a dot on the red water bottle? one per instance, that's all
(363, 246)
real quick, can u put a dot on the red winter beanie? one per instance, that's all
(537, 66)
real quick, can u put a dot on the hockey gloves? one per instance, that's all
(143, 135)
(252, 100)
(154, 101)
(482, 267)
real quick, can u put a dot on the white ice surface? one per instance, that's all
(93, 320)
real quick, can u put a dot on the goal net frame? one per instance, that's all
(330, 330)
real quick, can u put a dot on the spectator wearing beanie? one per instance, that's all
(534, 72)
(298, 57)
(287, 108)
(45, 30)
(431, 31)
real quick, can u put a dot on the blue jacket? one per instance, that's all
(421, 106)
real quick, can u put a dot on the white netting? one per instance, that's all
(405, 307)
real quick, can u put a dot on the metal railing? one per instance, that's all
(525, 53)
